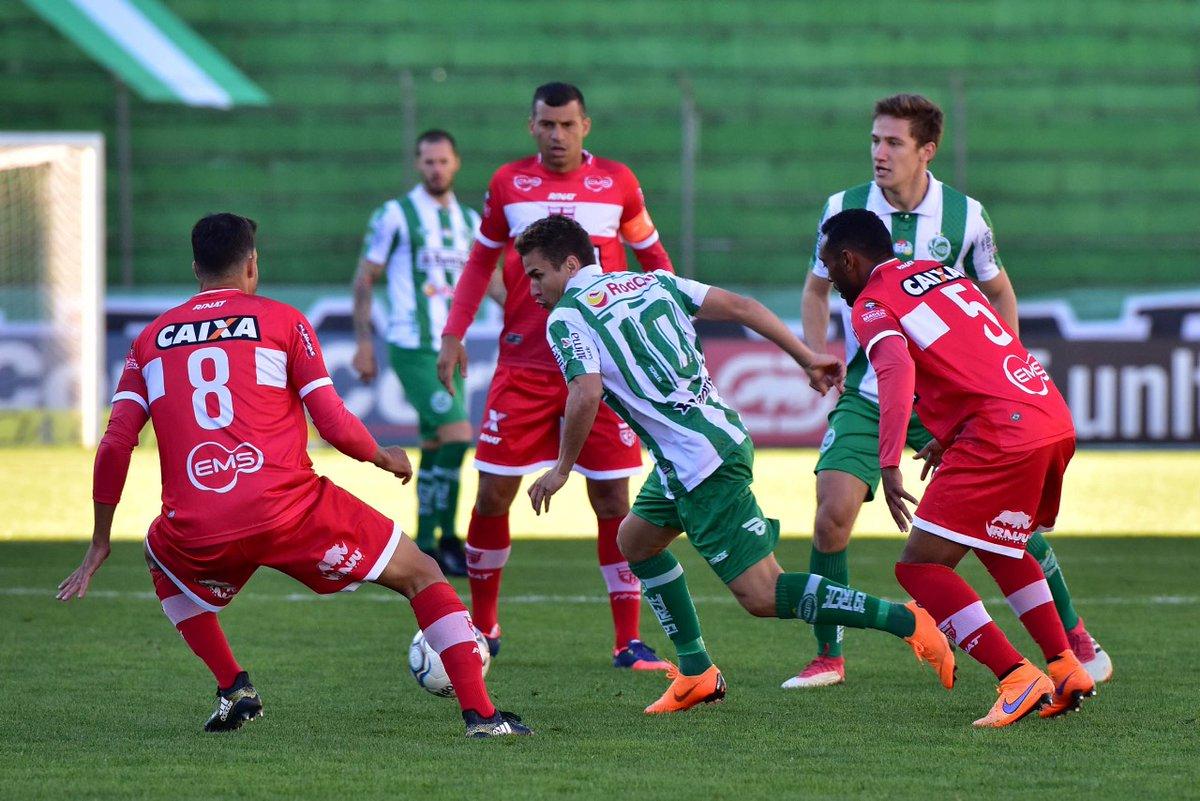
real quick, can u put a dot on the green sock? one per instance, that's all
(426, 493)
(667, 593)
(835, 567)
(447, 466)
(816, 599)
(1040, 550)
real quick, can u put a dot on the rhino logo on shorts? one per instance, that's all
(1011, 526)
(336, 564)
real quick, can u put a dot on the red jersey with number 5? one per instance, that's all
(974, 378)
(222, 377)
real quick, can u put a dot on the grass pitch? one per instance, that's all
(101, 699)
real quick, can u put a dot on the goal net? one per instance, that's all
(51, 287)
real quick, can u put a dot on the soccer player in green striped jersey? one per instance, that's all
(629, 338)
(420, 241)
(927, 220)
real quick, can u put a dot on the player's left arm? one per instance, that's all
(638, 229)
(131, 410)
(577, 355)
(825, 372)
(989, 271)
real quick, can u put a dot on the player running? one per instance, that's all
(421, 240)
(226, 378)
(928, 220)
(629, 338)
(521, 424)
(1003, 438)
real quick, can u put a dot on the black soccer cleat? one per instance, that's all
(451, 558)
(235, 706)
(501, 724)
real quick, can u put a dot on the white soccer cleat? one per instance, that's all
(823, 671)
(1095, 660)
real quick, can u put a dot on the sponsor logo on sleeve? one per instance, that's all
(1027, 374)
(173, 335)
(131, 362)
(302, 329)
(1016, 527)
(598, 183)
(526, 182)
(339, 562)
(918, 284)
(214, 468)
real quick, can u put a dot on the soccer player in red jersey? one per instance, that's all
(1003, 436)
(527, 398)
(226, 378)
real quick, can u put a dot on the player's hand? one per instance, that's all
(76, 584)
(364, 362)
(550, 482)
(826, 372)
(932, 454)
(452, 355)
(894, 492)
(394, 460)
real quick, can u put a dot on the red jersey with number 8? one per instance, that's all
(974, 378)
(222, 377)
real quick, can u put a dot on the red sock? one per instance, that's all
(1025, 588)
(624, 589)
(448, 630)
(199, 629)
(959, 613)
(487, 551)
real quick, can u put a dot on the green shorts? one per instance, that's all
(851, 445)
(417, 371)
(721, 516)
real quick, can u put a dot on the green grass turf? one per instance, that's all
(100, 698)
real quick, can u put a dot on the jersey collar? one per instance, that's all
(419, 191)
(588, 158)
(928, 207)
(585, 276)
(890, 262)
(215, 291)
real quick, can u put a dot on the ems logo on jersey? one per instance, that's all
(598, 183)
(903, 248)
(526, 182)
(173, 335)
(939, 248)
(214, 468)
(1027, 375)
(597, 298)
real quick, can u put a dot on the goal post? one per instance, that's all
(52, 277)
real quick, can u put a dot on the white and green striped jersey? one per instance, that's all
(423, 246)
(635, 330)
(947, 226)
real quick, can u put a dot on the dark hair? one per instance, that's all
(557, 237)
(557, 94)
(924, 117)
(435, 135)
(221, 242)
(858, 230)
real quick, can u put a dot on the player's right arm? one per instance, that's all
(378, 244)
(131, 410)
(472, 285)
(814, 302)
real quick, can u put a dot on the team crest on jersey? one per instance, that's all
(597, 298)
(561, 211)
(918, 284)
(903, 249)
(598, 183)
(526, 182)
(939, 248)
(627, 435)
(173, 335)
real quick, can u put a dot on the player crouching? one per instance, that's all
(630, 337)
(226, 378)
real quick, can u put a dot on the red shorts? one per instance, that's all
(339, 543)
(521, 422)
(995, 503)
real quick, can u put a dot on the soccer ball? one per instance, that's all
(427, 667)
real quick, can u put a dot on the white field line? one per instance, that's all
(301, 597)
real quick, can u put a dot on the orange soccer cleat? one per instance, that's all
(686, 692)
(930, 645)
(1020, 692)
(1072, 683)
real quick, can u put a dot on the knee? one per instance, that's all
(630, 547)
(493, 499)
(609, 499)
(408, 576)
(832, 527)
(757, 600)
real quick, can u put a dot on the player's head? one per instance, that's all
(552, 250)
(559, 122)
(853, 242)
(905, 135)
(223, 252)
(437, 161)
